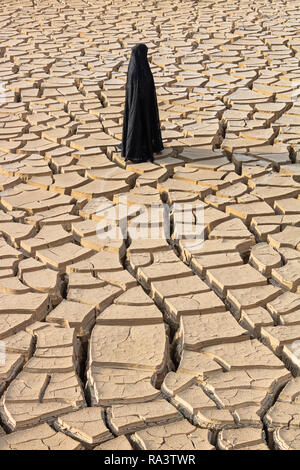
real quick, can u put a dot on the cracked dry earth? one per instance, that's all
(153, 343)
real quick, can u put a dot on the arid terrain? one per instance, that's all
(150, 342)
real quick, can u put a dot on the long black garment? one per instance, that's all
(141, 126)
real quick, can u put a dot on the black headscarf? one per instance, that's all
(141, 127)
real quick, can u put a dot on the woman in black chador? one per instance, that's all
(141, 127)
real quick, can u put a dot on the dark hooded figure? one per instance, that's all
(141, 127)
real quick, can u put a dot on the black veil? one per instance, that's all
(141, 126)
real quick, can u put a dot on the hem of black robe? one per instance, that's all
(142, 159)
(139, 160)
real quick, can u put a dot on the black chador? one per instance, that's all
(141, 127)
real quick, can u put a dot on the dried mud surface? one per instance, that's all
(150, 343)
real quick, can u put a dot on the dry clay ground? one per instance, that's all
(152, 343)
